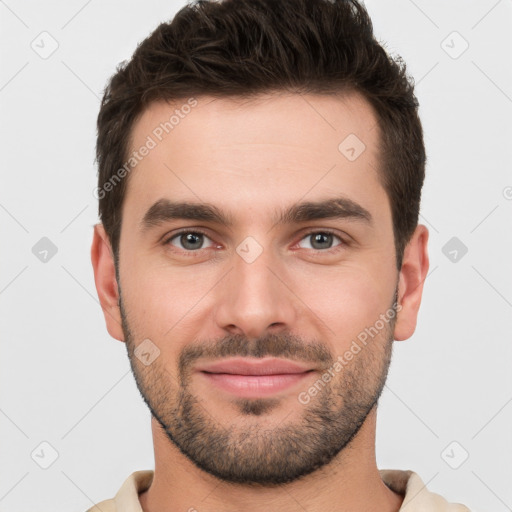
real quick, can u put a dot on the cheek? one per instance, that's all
(160, 307)
(161, 300)
(347, 299)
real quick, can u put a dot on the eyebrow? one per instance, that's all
(336, 208)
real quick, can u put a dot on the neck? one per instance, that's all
(351, 482)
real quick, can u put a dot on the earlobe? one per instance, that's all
(105, 279)
(410, 285)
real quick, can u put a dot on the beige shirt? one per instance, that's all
(407, 483)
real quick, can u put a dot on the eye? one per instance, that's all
(320, 240)
(189, 240)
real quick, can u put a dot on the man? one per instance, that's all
(260, 172)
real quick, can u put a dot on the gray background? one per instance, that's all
(65, 382)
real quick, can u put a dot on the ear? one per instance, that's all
(410, 285)
(105, 279)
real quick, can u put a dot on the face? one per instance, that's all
(250, 235)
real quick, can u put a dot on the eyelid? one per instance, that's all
(327, 231)
(167, 238)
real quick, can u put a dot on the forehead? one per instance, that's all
(240, 151)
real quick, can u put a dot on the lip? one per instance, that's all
(254, 378)
(246, 366)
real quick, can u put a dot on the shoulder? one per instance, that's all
(104, 506)
(417, 497)
(127, 497)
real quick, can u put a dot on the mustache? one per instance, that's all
(284, 345)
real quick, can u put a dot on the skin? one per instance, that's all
(250, 159)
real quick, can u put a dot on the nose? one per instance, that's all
(255, 299)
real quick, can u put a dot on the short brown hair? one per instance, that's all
(247, 47)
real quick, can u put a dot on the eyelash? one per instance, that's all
(194, 253)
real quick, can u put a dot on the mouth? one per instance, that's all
(254, 378)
